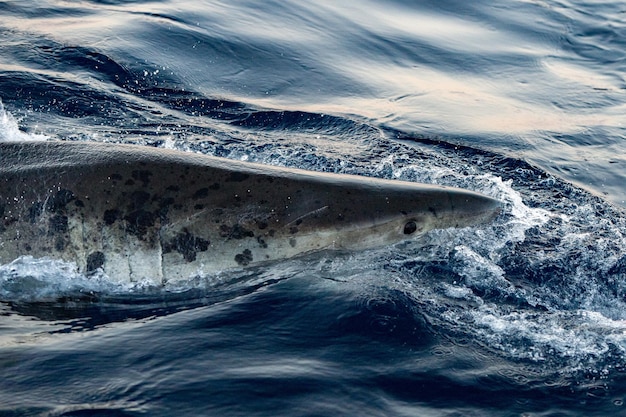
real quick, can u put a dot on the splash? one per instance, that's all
(31, 279)
(10, 131)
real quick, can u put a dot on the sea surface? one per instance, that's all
(522, 100)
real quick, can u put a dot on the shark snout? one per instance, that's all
(471, 208)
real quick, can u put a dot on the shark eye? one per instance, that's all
(410, 228)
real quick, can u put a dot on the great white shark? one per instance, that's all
(145, 214)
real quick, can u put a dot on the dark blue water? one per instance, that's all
(521, 100)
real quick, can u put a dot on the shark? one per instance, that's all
(139, 213)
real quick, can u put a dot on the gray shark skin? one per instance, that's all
(155, 215)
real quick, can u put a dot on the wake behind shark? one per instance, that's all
(146, 214)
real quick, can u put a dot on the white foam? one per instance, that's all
(482, 302)
(10, 131)
(479, 271)
(580, 336)
(37, 279)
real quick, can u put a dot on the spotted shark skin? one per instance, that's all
(144, 214)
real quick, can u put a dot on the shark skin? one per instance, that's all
(144, 214)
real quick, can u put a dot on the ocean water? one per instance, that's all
(522, 100)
